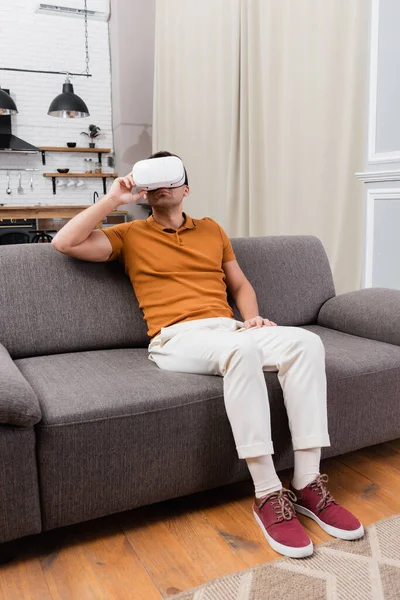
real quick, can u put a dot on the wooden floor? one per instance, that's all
(152, 552)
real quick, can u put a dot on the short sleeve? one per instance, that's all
(116, 235)
(227, 246)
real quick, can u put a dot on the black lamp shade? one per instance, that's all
(7, 104)
(68, 104)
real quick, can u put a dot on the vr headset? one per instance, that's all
(155, 173)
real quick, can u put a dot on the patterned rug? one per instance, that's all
(366, 569)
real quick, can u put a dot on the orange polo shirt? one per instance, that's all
(177, 275)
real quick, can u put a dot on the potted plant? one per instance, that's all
(92, 134)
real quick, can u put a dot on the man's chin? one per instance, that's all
(163, 199)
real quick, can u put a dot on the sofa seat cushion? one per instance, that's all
(102, 384)
(85, 386)
(348, 355)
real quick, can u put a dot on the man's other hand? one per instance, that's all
(259, 322)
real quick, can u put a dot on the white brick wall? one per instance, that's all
(34, 41)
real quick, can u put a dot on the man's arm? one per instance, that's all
(79, 239)
(244, 295)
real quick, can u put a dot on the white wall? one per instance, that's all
(382, 168)
(132, 38)
(36, 41)
(388, 83)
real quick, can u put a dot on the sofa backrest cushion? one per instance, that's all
(291, 276)
(52, 303)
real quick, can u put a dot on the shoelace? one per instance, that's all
(319, 486)
(281, 503)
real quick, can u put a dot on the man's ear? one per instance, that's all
(187, 191)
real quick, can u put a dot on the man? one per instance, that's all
(180, 269)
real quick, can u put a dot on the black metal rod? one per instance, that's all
(46, 72)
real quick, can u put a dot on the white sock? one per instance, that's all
(306, 467)
(264, 475)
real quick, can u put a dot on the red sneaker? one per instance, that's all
(315, 501)
(280, 525)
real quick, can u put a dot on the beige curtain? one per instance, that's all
(265, 101)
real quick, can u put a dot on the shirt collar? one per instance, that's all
(188, 224)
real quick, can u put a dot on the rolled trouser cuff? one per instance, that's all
(315, 441)
(261, 449)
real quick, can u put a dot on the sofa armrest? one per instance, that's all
(372, 313)
(19, 404)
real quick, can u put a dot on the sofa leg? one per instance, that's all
(8, 552)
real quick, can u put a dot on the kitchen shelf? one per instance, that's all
(98, 151)
(102, 176)
(81, 175)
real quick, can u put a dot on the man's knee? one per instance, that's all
(309, 340)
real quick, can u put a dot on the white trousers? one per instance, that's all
(223, 346)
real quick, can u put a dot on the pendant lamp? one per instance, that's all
(67, 104)
(7, 104)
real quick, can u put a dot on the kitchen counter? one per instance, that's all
(43, 211)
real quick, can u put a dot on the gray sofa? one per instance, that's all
(88, 423)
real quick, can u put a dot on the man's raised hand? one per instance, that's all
(121, 190)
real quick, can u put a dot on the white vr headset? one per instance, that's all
(155, 173)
